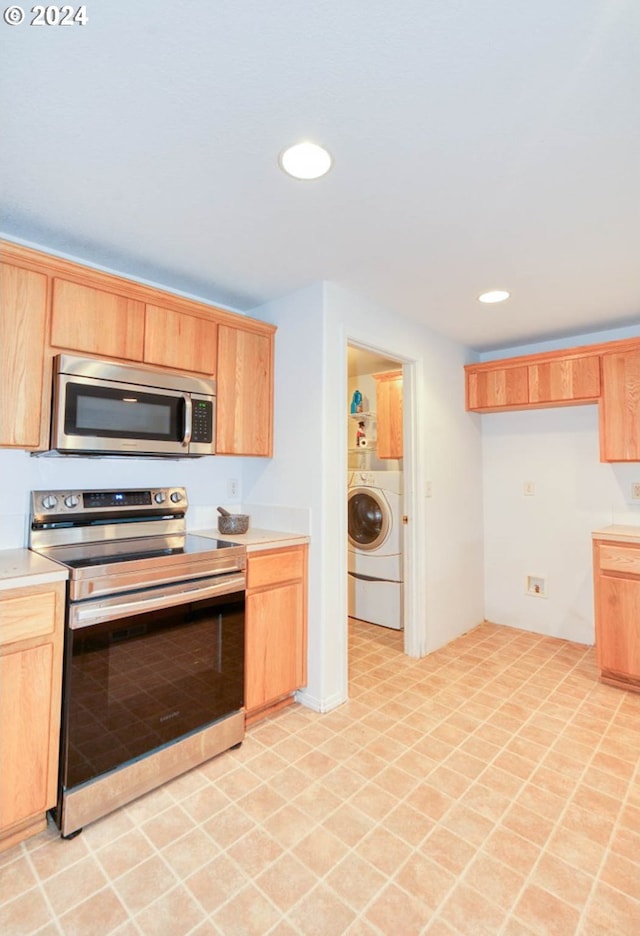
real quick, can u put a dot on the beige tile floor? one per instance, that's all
(490, 788)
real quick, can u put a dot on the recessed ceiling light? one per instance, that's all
(305, 161)
(494, 295)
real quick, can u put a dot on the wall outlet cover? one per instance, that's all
(635, 490)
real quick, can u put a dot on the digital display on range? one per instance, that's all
(117, 499)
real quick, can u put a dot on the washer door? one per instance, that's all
(369, 518)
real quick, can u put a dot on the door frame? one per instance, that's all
(414, 550)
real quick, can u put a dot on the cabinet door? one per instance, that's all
(571, 379)
(94, 321)
(620, 407)
(497, 389)
(273, 623)
(618, 625)
(245, 392)
(23, 298)
(389, 415)
(177, 339)
(25, 704)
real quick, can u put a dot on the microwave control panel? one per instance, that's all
(202, 429)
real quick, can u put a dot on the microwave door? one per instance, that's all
(101, 416)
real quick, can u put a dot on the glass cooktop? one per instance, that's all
(107, 552)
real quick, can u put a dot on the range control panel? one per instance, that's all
(56, 504)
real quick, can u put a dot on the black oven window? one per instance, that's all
(137, 684)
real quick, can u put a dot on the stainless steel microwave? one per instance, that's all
(104, 408)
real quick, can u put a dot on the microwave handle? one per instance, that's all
(188, 419)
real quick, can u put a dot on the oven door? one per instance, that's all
(143, 670)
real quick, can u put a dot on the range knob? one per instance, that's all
(176, 497)
(49, 502)
(72, 500)
(160, 497)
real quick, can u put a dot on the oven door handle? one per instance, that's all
(110, 609)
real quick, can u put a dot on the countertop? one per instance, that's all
(618, 532)
(20, 568)
(256, 540)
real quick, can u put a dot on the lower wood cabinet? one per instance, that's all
(276, 628)
(617, 611)
(31, 646)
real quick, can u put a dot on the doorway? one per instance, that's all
(375, 487)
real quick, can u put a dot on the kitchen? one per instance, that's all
(461, 534)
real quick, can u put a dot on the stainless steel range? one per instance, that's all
(154, 643)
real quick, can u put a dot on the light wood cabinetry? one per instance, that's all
(620, 406)
(497, 388)
(617, 611)
(276, 628)
(245, 392)
(31, 644)
(179, 340)
(51, 305)
(565, 380)
(93, 321)
(607, 374)
(389, 414)
(23, 315)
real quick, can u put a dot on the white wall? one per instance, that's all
(314, 327)
(293, 478)
(206, 480)
(549, 533)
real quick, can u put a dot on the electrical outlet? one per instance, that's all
(635, 490)
(232, 487)
(428, 489)
(529, 488)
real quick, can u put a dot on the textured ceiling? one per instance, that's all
(477, 145)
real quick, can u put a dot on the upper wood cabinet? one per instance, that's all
(23, 314)
(244, 392)
(607, 374)
(179, 340)
(51, 305)
(566, 380)
(620, 406)
(94, 321)
(497, 388)
(389, 414)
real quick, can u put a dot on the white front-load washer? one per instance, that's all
(375, 560)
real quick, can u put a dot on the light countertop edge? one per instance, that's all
(21, 568)
(257, 540)
(618, 532)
